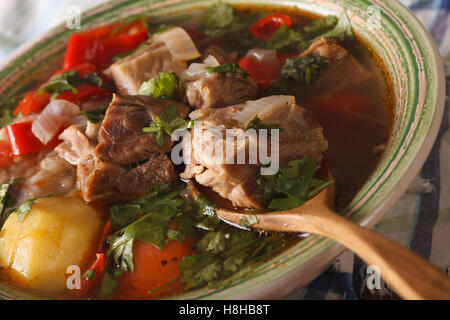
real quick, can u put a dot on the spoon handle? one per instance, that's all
(407, 273)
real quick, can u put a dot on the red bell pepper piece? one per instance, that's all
(84, 92)
(265, 27)
(23, 140)
(98, 46)
(263, 74)
(32, 103)
(5, 154)
(107, 230)
(96, 272)
(82, 69)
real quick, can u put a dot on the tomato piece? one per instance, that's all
(96, 272)
(263, 74)
(84, 92)
(154, 268)
(32, 103)
(98, 46)
(5, 154)
(265, 27)
(23, 140)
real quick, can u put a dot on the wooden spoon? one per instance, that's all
(407, 273)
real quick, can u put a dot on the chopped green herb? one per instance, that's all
(257, 124)
(24, 209)
(227, 68)
(248, 221)
(223, 255)
(218, 18)
(304, 70)
(291, 186)
(212, 242)
(94, 115)
(146, 218)
(109, 283)
(68, 81)
(319, 27)
(162, 87)
(167, 123)
(206, 214)
(6, 200)
(89, 275)
(287, 38)
(341, 31)
(176, 235)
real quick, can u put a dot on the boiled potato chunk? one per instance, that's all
(58, 232)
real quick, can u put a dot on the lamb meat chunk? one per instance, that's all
(129, 73)
(126, 162)
(301, 136)
(111, 183)
(344, 70)
(121, 139)
(220, 90)
(161, 55)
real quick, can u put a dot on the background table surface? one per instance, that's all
(419, 221)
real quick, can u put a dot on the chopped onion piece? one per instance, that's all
(52, 118)
(197, 70)
(179, 43)
(263, 108)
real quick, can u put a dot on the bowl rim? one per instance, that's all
(323, 259)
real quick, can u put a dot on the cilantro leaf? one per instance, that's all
(227, 68)
(290, 187)
(198, 270)
(257, 124)
(212, 242)
(24, 209)
(287, 38)
(320, 27)
(248, 221)
(304, 70)
(224, 255)
(67, 81)
(147, 219)
(162, 87)
(6, 200)
(206, 214)
(341, 31)
(94, 115)
(167, 123)
(299, 72)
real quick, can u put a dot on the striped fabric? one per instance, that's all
(420, 220)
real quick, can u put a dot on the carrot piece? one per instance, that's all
(154, 268)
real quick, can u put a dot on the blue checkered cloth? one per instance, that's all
(419, 221)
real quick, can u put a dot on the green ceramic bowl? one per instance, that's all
(413, 64)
